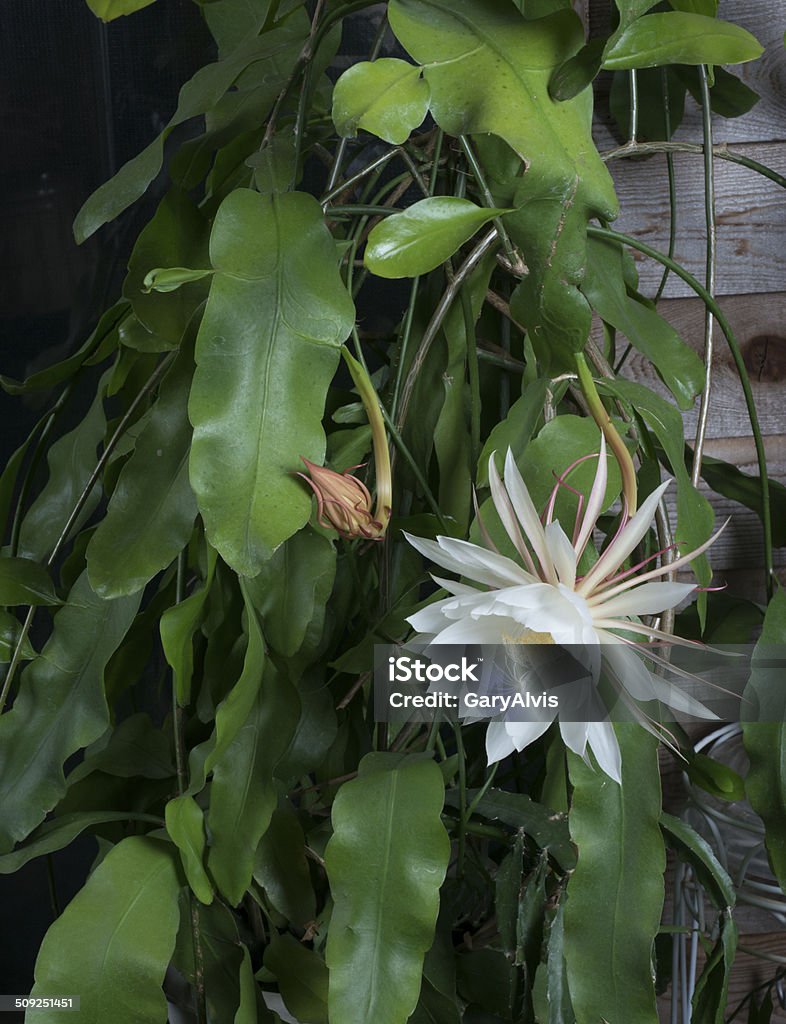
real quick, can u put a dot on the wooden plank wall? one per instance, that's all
(751, 286)
(751, 270)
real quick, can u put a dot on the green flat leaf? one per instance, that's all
(676, 363)
(724, 478)
(516, 430)
(231, 22)
(179, 623)
(577, 72)
(292, 589)
(615, 895)
(559, 1005)
(630, 10)
(280, 867)
(302, 978)
(547, 828)
(675, 37)
(60, 709)
(133, 748)
(112, 943)
(152, 509)
(10, 630)
(60, 832)
(274, 165)
(729, 95)
(387, 97)
(715, 778)
(186, 827)
(108, 10)
(653, 125)
(711, 995)
(177, 236)
(423, 236)
(764, 734)
(100, 344)
(267, 349)
(488, 69)
(706, 7)
(243, 795)
(197, 97)
(23, 581)
(697, 852)
(385, 864)
(71, 460)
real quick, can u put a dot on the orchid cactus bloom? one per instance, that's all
(541, 598)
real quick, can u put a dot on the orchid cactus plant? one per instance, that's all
(190, 619)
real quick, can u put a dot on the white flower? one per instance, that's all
(540, 598)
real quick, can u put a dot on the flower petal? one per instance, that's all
(604, 745)
(574, 736)
(648, 599)
(498, 743)
(527, 516)
(507, 515)
(475, 565)
(562, 554)
(619, 549)
(596, 499)
(524, 733)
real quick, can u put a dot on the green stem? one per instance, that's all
(488, 199)
(766, 513)
(463, 816)
(721, 151)
(474, 374)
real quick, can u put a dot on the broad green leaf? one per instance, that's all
(112, 943)
(516, 430)
(675, 37)
(176, 237)
(697, 852)
(729, 95)
(234, 710)
(615, 895)
(630, 10)
(452, 432)
(711, 995)
(548, 829)
(714, 777)
(134, 747)
(59, 832)
(152, 509)
(185, 824)
(577, 72)
(386, 97)
(661, 102)
(266, 352)
(71, 460)
(302, 978)
(233, 21)
(764, 734)
(677, 364)
(247, 1010)
(280, 867)
(197, 97)
(694, 513)
(60, 709)
(724, 478)
(385, 864)
(274, 165)
(179, 623)
(423, 236)
(224, 973)
(243, 795)
(559, 1006)
(100, 344)
(10, 631)
(488, 69)
(108, 10)
(23, 581)
(706, 7)
(292, 589)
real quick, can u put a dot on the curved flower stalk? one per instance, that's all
(344, 502)
(541, 598)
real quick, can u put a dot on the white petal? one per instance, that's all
(562, 554)
(619, 549)
(596, 499)
(498, 743)
(604, 745)
(524, 733)
(506, 514)
(471, 560)
(489, 629)
(630, 670)
(483, 565)
(452, 587)
(648, 599)
(574, 736)
(430, 619)
(528, 516)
